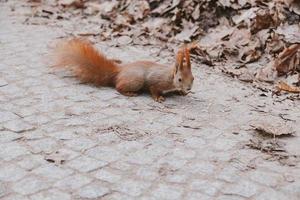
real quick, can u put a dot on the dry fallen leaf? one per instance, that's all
(288, 60)
(282, 86)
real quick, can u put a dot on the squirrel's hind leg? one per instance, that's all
(129, 88)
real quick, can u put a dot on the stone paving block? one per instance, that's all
(85, 164)
(147, 155)
(147, 173)
(52, 194)
(37, 119)
(18, 126)
(61, 156)
(230, 197)
(46, 145)
(168, 192)
(172, 162)
(92, 191)
(131, 187)
(229, 174)
(242, 188)
(106, 175)
(117, 196)
(73, 182)
(12, 150)
(51, 171)
(108, 154)
(202, 168)
(183, 153)
(3, 82)
(8, 136)
(30, 185)
(80, 144)
(15, 197)
(265, 178)
(206, 187)
(3, 190)
(197, 196)
(177, 178)
(292, 189)
(30, 161)
(121, 165)
(10, 172)
(7, 116)
(194, 142)
(64, 135)
(275, 195)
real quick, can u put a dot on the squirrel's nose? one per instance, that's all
(189, 88)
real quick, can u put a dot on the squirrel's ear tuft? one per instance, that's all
(187, 58)
(179, 61)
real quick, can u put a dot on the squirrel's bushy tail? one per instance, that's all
(85, 62)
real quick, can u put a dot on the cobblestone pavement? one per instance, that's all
(63, 140)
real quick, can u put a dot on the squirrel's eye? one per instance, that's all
(179, 79)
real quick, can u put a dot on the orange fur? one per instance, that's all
(86, 62)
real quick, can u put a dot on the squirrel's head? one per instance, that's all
(183, 77)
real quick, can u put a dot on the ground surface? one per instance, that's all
(63, 140)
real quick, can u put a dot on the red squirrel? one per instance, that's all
(91, 66)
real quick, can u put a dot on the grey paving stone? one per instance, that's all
(229, 174)
(197, 196)
(194, 142)
(266, 178)
(147, 173)
(10, 172)
(3, 190)
(230, 197)
(106, 175)
(7, 116)
(18, 126)
(30, 162)
(30, 185)
(3, 82)
(202, 168)
(65, 135)
(15, 197)
(46, 145)
(108, 154)
(73, 182)
(293, 189)
(85, 164)
(242, 188)
(51, 171)
(275, 195)
(117, 196)
(176, 178)
(80, 144)
(206, 187)
(168, 192)
(92, 191)
(52, 194)
(184, 153)
(146, 156)
(12, 150)
(8, 136)
(37, 119)
(132, 187)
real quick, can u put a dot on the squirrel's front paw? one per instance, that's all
(182, 93)
(159, 99)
